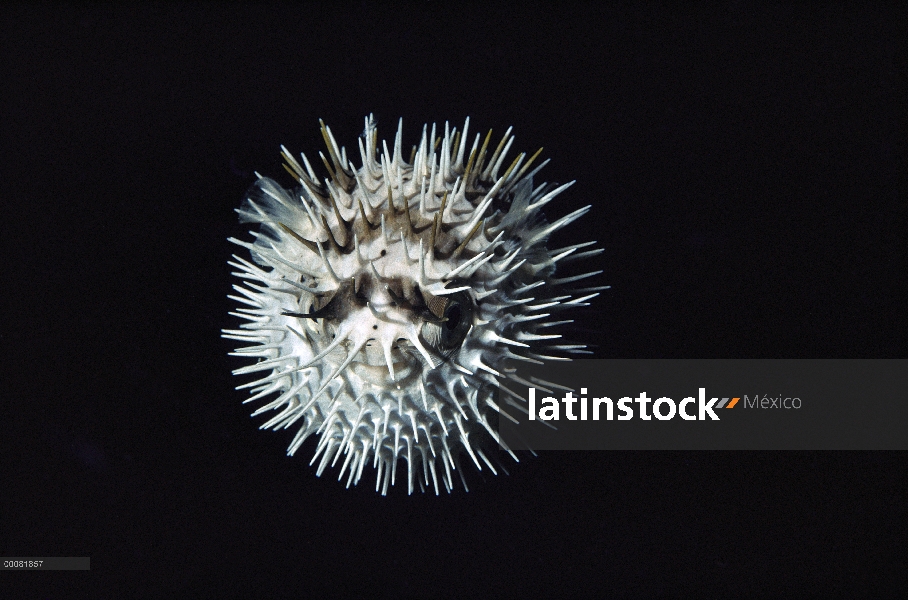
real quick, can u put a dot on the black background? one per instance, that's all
(742, 166)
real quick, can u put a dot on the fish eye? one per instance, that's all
(453, 317)
(449, 321)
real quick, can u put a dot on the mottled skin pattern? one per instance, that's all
(386, 304)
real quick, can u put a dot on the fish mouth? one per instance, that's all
(404, 371)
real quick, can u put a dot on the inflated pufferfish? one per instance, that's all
(386, 304)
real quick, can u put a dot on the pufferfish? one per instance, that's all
(387, 304)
